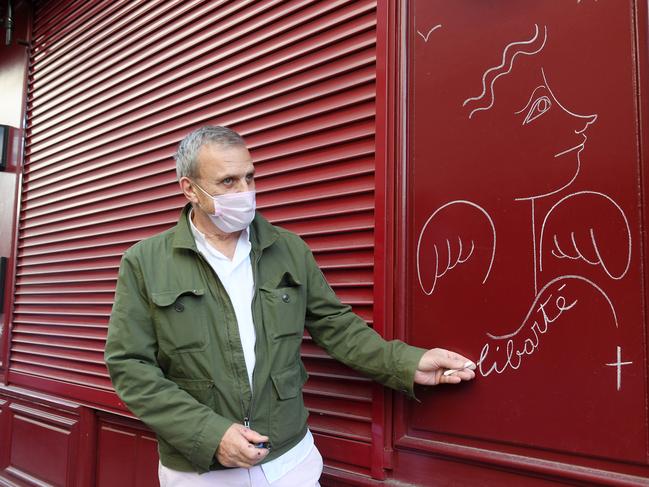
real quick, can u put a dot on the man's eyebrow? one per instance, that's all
(530, 100)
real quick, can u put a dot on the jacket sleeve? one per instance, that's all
(131, 348)
(347, 338)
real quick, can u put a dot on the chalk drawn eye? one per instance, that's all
(538, 108)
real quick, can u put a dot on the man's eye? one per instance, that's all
(228, 181)
(250, 177)
(538, 108)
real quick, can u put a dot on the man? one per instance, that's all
(205, 333)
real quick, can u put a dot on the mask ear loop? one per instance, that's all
(194, 183)
(217, 208)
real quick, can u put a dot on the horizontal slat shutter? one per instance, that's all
(113, 87)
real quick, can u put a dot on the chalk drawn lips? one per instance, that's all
(578, 147)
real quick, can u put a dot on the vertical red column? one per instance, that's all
(387, 146)
(14, 56)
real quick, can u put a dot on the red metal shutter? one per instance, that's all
(113, 87)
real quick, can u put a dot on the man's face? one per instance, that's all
(223, 170)
(219, 170)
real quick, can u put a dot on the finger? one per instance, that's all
(454, 361)
(450, 379)
(253, 437)
(253, 455)
(261, 454)
(244, 457)
(459, 374)
(235, 448)
(466, 374)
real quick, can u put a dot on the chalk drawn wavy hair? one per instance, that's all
(526, 48)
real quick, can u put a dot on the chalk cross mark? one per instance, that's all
(619, 365)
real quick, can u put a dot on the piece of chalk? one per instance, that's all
(468, 365)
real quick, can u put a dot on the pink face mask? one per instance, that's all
(233, 212)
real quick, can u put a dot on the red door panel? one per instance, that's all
(524, 240)
(126, 454)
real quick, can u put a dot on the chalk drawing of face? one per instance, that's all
(540, 140)
(543, 114)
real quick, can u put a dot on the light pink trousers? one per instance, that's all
(306, 474)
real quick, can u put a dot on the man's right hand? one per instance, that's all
(237, 447)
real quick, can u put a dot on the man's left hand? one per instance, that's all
(435, 362)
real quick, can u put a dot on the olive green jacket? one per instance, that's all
(175, 357)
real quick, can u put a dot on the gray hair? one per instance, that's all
(190, 146)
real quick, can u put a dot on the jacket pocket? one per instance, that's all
(289, 414)
(181, 320)
(284, 307)
(200, 389)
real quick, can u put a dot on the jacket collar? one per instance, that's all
(262, 233)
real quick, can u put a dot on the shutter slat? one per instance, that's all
(47, 329)
(62, 371)
(57, 322)
(81, 256)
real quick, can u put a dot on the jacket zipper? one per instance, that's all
(248, 413)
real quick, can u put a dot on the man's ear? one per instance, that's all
(188, 189)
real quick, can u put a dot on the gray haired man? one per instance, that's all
(205, 333)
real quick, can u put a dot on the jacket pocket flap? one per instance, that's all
(288, 382)
(167, 298)
(287, 280)
(192, 384)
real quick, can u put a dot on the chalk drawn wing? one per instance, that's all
(449, 238)
(589, 227)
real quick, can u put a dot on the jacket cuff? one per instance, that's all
(207, 442)
(409, 360)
